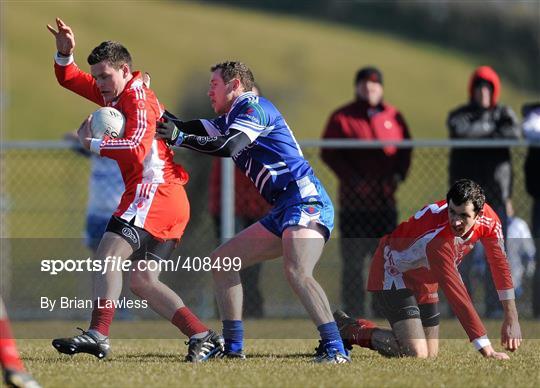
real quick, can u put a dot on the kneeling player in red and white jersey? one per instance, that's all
(423, 253)
(154, 209)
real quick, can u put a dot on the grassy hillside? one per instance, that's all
(305, 67)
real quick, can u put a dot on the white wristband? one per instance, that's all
(506, 294)
(481, 342)
(95, 145)
(63, 61)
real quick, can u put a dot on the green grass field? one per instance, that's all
(306, 68)
(271, 362)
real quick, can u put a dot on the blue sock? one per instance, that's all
(233, 332)
(330, 337)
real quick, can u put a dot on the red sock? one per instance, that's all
(102, 317)
(360, 334)
(9, 356)
(187, 322)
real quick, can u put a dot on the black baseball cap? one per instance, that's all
(369, 73)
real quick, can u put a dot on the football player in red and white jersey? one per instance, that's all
(15, 375)
(422, 254)
(154, 209)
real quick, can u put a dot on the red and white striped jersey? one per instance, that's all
(144, 161)
(423, 253)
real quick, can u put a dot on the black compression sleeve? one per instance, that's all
(224, 146)
(193, 127)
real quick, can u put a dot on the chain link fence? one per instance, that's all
(44, 194)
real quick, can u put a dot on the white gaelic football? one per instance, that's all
(107, 121)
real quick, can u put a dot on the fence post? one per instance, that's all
(227, 199)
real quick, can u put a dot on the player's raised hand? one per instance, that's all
(65, 38)
(146, 79)
(511, 334)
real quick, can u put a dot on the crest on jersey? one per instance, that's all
(392, 270)
(311, 210)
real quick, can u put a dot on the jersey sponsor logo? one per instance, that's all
(249, 117)
(129, 233)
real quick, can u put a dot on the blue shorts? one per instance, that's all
(290, 213)
(95, 228)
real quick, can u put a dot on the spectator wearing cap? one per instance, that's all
(368, 178)
(483, 117)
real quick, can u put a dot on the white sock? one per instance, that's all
(199, 335)
(97, 334)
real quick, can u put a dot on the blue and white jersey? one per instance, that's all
(273, 161)
(105, 187)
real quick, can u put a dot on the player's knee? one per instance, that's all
(420, 353)
(291, 273)
(296, 276)
(140, 282)
(417, 350)
(225, 277)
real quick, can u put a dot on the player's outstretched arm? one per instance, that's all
(225, 146)
(170, 128)
(448, 277)
(65, 38)
(510, 331)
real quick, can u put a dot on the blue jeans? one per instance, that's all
(536, 278)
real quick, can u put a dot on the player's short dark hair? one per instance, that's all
(231, 70)
(113, 52)
(466, 190)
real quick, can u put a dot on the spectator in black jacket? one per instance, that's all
(484, 118)
(531, 131)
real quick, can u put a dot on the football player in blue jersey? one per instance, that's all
(254, 133)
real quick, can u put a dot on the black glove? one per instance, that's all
(167, 131)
